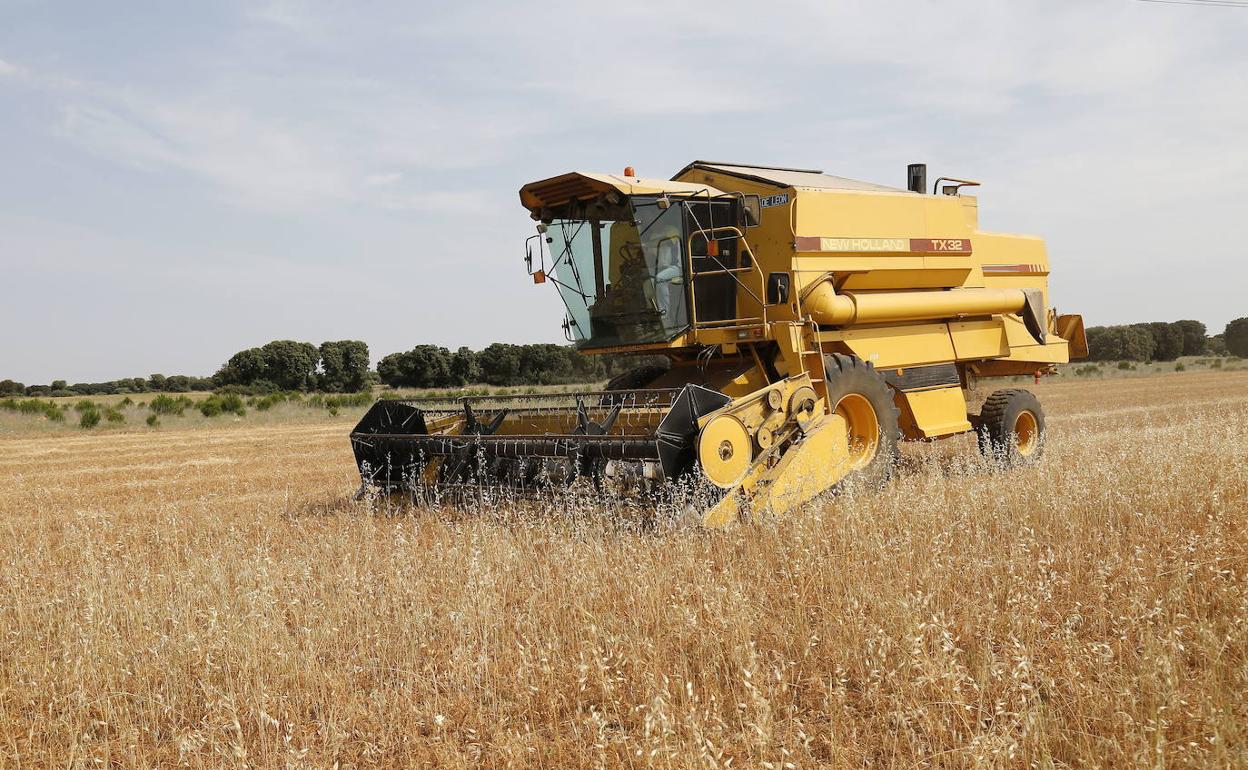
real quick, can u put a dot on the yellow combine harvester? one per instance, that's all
(810, 321)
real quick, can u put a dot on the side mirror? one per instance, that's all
(528, 253)
(751, 210)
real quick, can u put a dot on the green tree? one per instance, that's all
(1217, 346)
(424, 366)
(11, 388)
(464, 367)
(1120, 343)
(291, 365)
(1236, 337)
(156, 382)
(178, 383)
(1167, 340)
(500, 364)
(544, 364)
(288, 364)
(243, 368)
(344, 366)
(1195, 340)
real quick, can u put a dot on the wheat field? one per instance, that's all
(212, 598)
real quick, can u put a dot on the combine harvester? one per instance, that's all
(811, 322)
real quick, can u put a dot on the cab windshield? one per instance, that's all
(621, 273)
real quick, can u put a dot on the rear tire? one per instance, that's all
(1011, 427)
(858, 392)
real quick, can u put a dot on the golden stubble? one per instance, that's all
(212, 598)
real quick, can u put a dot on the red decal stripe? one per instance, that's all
(1019, 269)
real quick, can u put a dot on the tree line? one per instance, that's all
(501, 364)
(343, 366)
(1165, 341)
(282, 365)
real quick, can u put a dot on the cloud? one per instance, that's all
(382, 179)
(259, 162)
(7, 69)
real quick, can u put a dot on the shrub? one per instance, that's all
(86, 405)
(1179, 367)
(1124, 364)
(163, 404)
(153, 421)
(112, 415)
(89, 419)
(218, 404)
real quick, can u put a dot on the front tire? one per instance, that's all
(860, 395)
(1011, 427)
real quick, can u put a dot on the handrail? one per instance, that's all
(708, 234)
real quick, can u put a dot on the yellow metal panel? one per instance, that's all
(938, 412)
(979, 339)
(810, 467)
(857, 214)
(897, 346)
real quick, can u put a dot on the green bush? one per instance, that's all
(1180, 367)
(33, 406)
(153, 421)
(163, 404)
(217, 404)
(112, 415)
(86, 405)
(89, 419)
(1125, 365)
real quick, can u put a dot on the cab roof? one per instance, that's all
(556, 191)
(812, 179)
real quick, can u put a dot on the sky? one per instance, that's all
(179, 181)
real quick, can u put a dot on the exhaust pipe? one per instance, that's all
(916, 177)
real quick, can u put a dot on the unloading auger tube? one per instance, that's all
(809, 323)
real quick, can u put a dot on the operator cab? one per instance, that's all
(622, 263)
